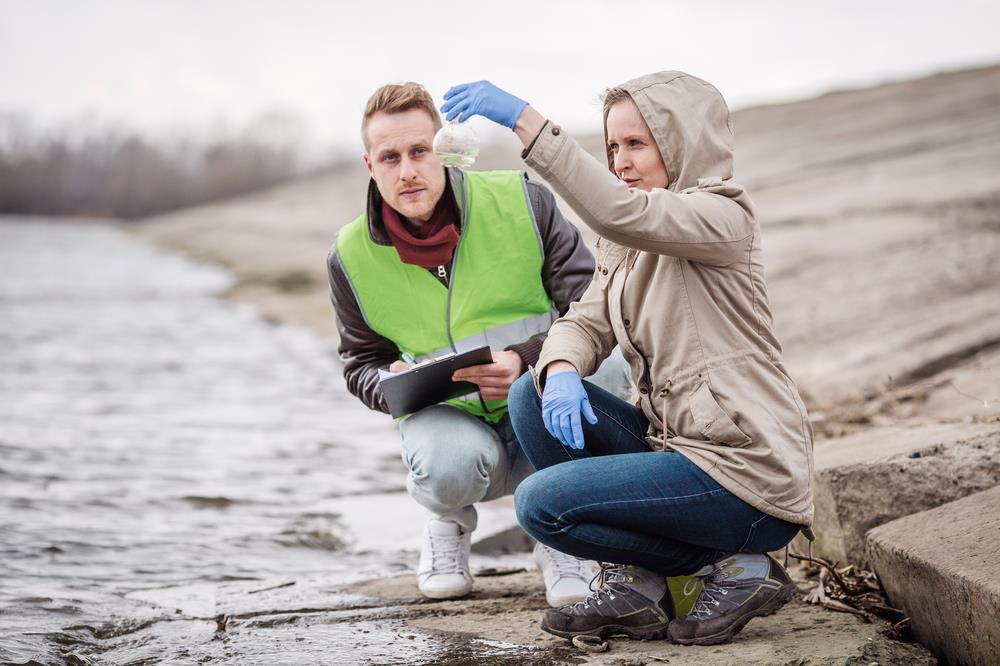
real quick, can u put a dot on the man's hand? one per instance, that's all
(494, 379)
(399, 366)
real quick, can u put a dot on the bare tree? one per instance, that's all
(119, 174)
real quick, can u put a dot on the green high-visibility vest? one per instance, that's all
(495, 294)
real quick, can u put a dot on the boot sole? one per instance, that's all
(647, 633)
(783, 596)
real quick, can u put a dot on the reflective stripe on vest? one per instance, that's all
(495, 295)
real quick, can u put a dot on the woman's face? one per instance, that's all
(637, 159)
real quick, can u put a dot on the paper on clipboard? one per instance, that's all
(429, 382)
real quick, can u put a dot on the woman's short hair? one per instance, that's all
(611, 97)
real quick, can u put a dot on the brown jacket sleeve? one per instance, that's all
(712, 223)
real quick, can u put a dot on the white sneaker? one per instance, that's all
(444, 561)
(567, 578)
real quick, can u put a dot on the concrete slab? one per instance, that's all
(871, 478)
(940, 567)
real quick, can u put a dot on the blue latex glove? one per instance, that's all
(485, 99)
(562, 402)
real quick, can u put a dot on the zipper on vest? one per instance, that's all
(440, 274)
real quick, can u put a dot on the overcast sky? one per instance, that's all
(196, 66)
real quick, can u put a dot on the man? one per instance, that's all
(445, 260)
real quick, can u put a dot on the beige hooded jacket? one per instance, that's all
(679, 286)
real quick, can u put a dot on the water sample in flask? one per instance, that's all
(456, 145)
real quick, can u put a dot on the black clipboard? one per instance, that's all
(430, 383)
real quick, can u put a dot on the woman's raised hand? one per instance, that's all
(482, 98)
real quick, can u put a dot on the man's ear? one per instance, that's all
(368, 164)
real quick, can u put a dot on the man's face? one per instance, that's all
(405, 168)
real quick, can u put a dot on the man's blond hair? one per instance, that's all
(396, 98)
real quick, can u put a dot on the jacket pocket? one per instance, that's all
(609, 258)
(713, 421)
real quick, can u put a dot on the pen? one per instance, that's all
(408, 358)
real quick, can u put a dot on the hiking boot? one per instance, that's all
(736, 589)
(443, 572)
(567, 578)
(628, 600)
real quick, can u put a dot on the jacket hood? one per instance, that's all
(689, 121)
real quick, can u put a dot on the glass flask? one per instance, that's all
(456, 145)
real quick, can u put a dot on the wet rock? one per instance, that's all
(209, 502)
(323, 531)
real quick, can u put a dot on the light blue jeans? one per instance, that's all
(456, 459)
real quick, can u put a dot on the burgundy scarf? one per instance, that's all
(432, 243)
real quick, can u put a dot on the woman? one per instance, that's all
(712, 466)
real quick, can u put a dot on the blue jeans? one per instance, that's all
(619, 501)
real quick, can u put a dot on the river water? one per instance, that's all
(167, 456)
